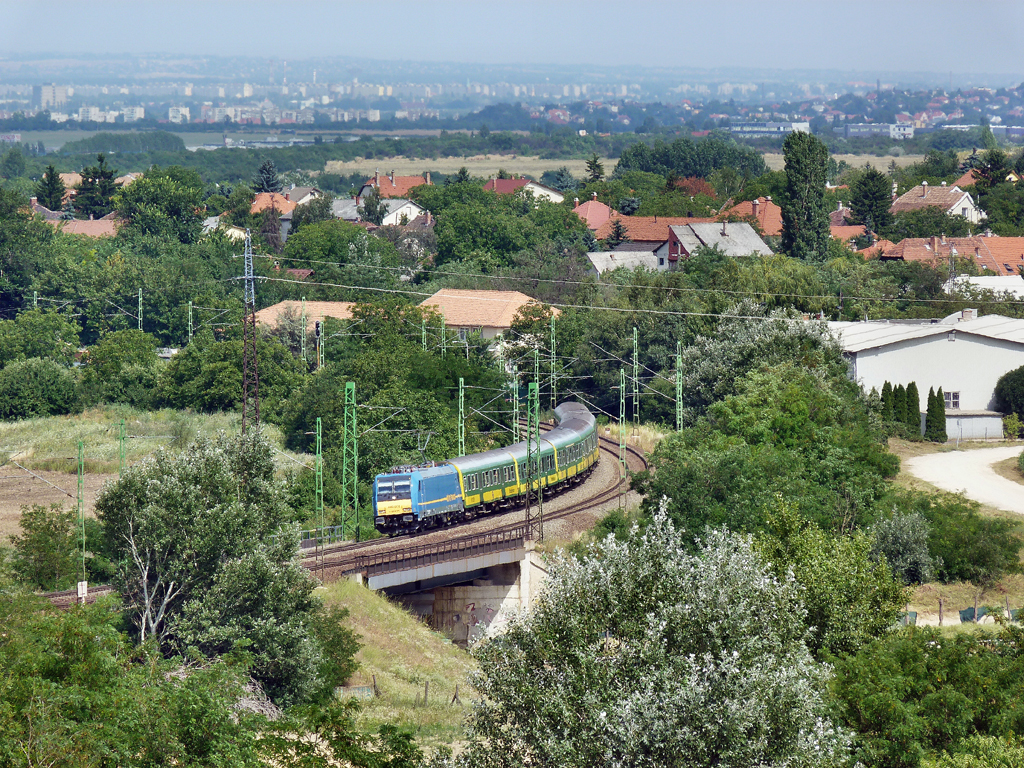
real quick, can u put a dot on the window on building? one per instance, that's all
(661, 261)
(462, 334)
(952, 400)
(963, 212)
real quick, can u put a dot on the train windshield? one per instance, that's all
(393, 488)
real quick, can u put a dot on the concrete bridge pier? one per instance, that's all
(477, 604)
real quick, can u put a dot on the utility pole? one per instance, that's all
(190, 322)
(35, 299)
(532, 449)
(321, 343)
(679, 387)
(462, 417)
(622, 433)
(536, 372)
(423, 333)
(320, 495)
(350, 459)
(554, 395)
(515, 403)
(302, 337)
(81, 499)
(636, 382)
(444, 337)
(140, 309)
(120, 448)
(250, 367)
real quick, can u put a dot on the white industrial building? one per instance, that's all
(964, 354)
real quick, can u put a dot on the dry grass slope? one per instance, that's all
(404, 655)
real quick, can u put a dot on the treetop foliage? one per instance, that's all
(687, 157)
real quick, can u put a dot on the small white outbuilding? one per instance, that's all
(964, 354)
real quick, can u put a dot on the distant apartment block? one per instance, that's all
(50, 95)
(178, 115)
(897, 131)
(761, 130)
(131, 114)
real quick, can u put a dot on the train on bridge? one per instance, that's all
(416, 498)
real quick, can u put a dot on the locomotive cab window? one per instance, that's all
(394, 488)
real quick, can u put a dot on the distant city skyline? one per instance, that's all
(908, 36)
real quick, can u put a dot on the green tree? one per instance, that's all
(1010, 392)
(373, 208)
(849, 596)
(925, 222)
(595, 170)
(161, 206)
(35, 387)
(266, 178)
(45, 552)
(197, 567)
(935, 418)
(871, 200)
(50, 191)
(618, 235)
(805, 230)
(715, 638)
(316, 210)
(12, 165)
(913, 405)
(121, 368)
(887, 405)
(39, 333)
(96, 191)
(902, 540)
(899, 404)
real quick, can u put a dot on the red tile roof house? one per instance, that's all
(649, 230)
(767, 214)
(996, 255)
(92, 228)
(490, 313)
(508, 186)
(951, 200)
(593, 212)
(392, 186)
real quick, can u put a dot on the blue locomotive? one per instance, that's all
(411, 499)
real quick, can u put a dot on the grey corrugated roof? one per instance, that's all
(739, 239)
(855, 337)
(606, 261)
(345, 208)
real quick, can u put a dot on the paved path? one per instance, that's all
(972, 473)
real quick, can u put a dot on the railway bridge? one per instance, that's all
(465, 584)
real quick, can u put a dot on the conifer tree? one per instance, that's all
(266, 179)
(886, 402)
(935, 418)
(913, 408)
(50, 192)
(899, 404)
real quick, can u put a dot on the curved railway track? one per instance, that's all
(492, 531)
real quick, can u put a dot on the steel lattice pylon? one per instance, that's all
(250, 366)
(533, 461)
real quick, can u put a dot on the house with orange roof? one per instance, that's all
(266, 200)
(92, 228)
(392, 185)
(951, 200)
(510, 186)
(489, 313)
(593, 212)
(315, 310)
(845, 233)
(767, 214)
(994, 255)
(649, 230)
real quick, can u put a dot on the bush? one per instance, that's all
(36, 387)
(964, 545)
(1012, 426)
(1010, 392)
(903, 541)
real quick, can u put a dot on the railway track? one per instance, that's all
(493, 531)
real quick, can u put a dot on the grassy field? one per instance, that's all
(39, 457)
(776, 163)
(483, 166)
(925, 598)
(403, 654)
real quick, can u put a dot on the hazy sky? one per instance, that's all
(896, 35)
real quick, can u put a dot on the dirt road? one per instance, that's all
(972, 473)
